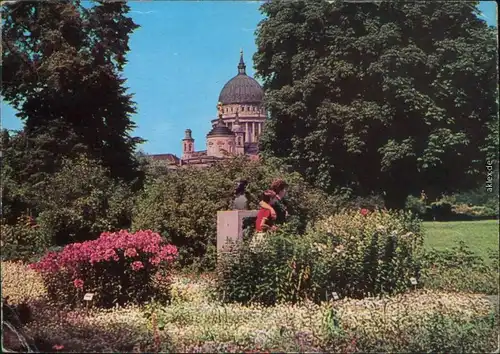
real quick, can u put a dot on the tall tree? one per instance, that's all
(13, 164)
(387, 97)
(62, 70)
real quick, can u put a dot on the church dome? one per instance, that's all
(241, 88)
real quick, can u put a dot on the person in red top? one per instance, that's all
(265, 219)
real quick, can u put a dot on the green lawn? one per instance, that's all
(480, 236)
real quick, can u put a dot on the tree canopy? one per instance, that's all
(62, 65)
(386, 97)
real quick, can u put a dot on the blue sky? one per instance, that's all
(180, 59)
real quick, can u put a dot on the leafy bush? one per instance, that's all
(267, 275)
(441, 210)
(481, 196)
(151, 168)
(460, 269)
(416, 205)
(475, 211)
(455, 207)
(377, 250)
(80, 201)
(118, 267)
(182, 205)
(23, 240)
(353, 254)
(371, 202)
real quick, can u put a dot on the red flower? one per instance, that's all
(137, 265)
(155, 260)
(130, 252)
(58, 347)
(364, 212)
(78, 283)
(109, 248)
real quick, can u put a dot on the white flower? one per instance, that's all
(339, 248)
(408, 235)
(381, 228)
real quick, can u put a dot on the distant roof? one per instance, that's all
(199, 153)
(165, 157)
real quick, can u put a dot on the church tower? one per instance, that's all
(187, 145)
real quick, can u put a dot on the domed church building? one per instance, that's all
(237, 129)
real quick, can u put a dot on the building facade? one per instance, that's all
(236, 131)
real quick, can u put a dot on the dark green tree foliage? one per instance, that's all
(62, 65)
(13, 192)
(80, 201)
(390, 97)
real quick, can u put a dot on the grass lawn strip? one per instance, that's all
(480, 236)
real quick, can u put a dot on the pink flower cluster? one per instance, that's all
(139, 248)
(78, 283)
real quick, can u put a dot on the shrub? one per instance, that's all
(465, 206)
(273, 273)
(182, 205)
(440, 210)
(23, 240)
(474, 211)
(80, 201)
(481, 196)
(371, 202)
(151, 168)
(416, 205)
(351, 254)
(374, 252)
(118, 267)
(459, 269)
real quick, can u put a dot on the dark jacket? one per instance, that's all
(279, 207)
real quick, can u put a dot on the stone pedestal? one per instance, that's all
(230, 226)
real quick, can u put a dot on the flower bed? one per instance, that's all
(118, 268)
(20, 283)
(194, 322)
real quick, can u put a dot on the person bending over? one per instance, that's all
(265, 220)
(278, 206)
